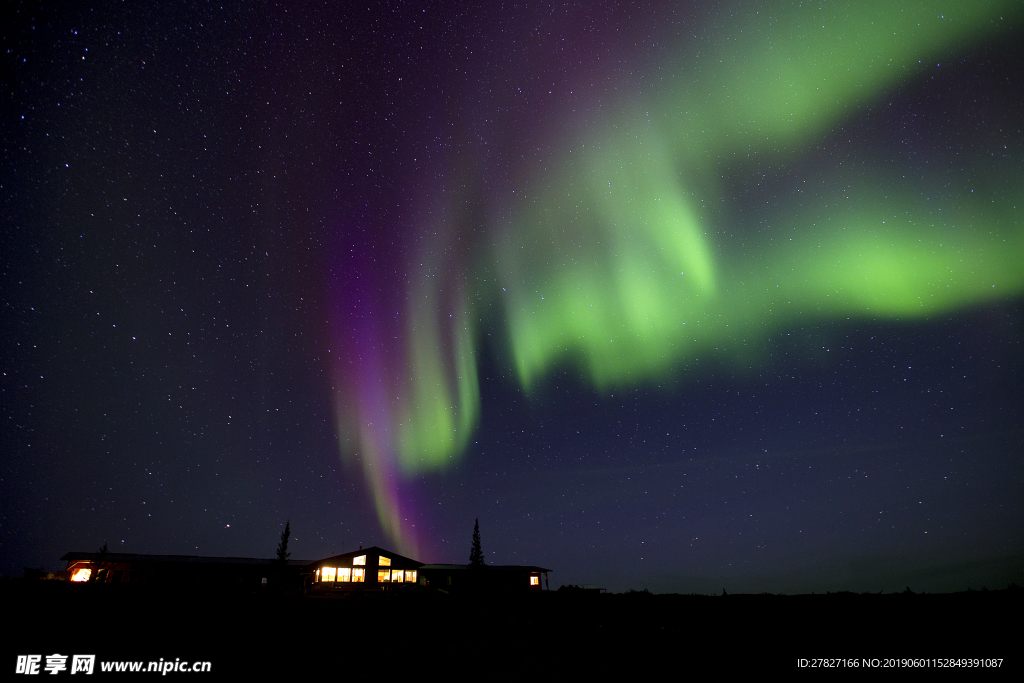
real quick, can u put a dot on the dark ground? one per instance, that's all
(500, 637)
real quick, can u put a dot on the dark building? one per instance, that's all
(504, 578)
(182, 570)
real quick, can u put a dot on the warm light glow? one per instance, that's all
(534, 580)
(358, 575)
(383, 575)
(361, 560)
(410, 576)
(396, 576)
(81, 574)
(384, 561)
(328, 574)
(344, 574)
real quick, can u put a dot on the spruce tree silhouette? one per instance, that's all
(100, 566)
(281, 561)
(282, 547)
(476, 555)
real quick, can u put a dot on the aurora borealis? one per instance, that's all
(665, 294)
(604, 259)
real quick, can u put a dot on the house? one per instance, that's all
(363, 569)
(369, 569)
(180, 570)
(500, 578)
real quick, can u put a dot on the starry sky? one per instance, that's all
(669, 295)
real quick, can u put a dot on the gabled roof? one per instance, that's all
(371, 552)
(121, 558)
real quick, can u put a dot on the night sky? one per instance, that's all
(678, 296)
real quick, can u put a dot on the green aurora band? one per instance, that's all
(608, 263)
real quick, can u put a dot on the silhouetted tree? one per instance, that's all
(280, 571)
(476, 555)
(99, 565)
(282, 547)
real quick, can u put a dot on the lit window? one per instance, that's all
(359, 561)
(328, 573)
(383, 561)
(534, 580)
(81, 574)
(397, 575)
(358, 575)
(410, 576)
(344, 574)
(383, 575)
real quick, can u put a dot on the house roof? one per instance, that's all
(344, 558)
(186, 559)
(372, 551)
(489, 567)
